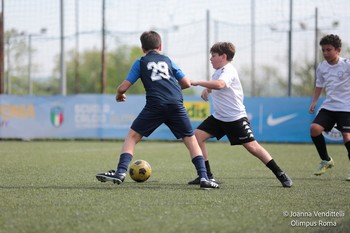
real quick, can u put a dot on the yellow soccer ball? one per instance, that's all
(140, 171)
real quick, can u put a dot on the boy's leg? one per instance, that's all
(198, 161)
(321, 147)
(199, 164)
(258, 151)
(196, 156)
(347, 145)
(201, 137)
(118, 175)
(209, 174)
(343, 125)
(324, 121)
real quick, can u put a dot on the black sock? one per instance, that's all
(207, 165)
(320, 145)
(274, 167)
(347, 145)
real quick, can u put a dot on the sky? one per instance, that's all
(183, 26)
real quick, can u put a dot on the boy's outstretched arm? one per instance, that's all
(184, 83)
(212, 84)
(120, 96)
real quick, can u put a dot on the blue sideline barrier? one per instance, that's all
(99, 116)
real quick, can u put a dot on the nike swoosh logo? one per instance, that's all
(279, 120)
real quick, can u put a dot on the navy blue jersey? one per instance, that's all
(159, 76)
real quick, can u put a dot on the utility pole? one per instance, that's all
(103, 55)
(253, 91)
(30, 86)
(2, 55)
(290, 48)
(208, 45)
(76, 57)
(316, 44)
(62, 59)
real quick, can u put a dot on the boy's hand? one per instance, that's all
(205, 94)
(312, 108)
(120, 98)
(194, 83)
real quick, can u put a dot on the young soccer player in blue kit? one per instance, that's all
(163, 82)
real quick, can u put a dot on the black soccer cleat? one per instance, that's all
(112, 176)
(285, 180)
(207, 184)
(198, 180)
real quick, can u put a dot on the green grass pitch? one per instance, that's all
(50, 186)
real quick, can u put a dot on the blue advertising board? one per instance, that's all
(100, 116)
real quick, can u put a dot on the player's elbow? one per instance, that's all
(219, 85)
(123, 87)
(186, 85)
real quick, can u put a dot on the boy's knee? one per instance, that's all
(315, 130)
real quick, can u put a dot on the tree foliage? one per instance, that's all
(304, 82)
(118, 64)
(83, 72)
(16, 61)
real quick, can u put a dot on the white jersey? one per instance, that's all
(336, 81)
(228, 102)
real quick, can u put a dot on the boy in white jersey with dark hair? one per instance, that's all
(333, 74)
(230, 117)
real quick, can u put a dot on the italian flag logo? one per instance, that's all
(57, 116)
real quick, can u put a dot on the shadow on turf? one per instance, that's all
(151, 185)
(296, 180)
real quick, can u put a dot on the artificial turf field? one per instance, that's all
(50, 186)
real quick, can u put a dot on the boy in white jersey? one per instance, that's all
(229, 117)
(333, 74)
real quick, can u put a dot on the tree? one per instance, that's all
(89, 71)
(16, 62)
(304, 81)
(119, 65)
(269, 81)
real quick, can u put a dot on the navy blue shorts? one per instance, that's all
(237, 132)
(327, 119)
(173, 115)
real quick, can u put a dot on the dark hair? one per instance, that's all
(332, 40)
(224, 48)
(150, 40)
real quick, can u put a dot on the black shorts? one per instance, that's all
(327, 119)
(237, 132)
(173, 115)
